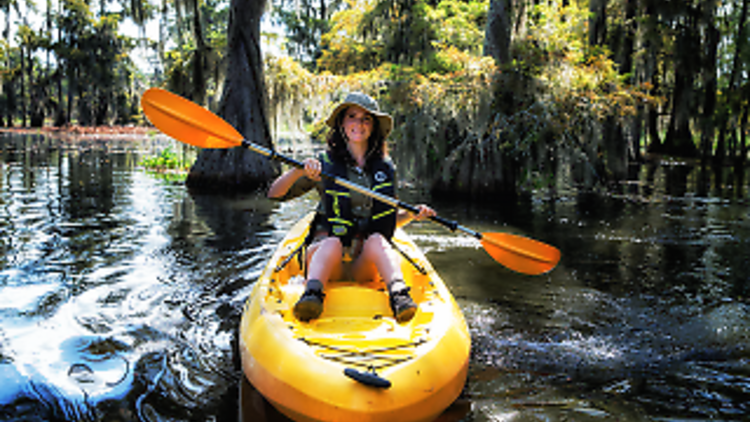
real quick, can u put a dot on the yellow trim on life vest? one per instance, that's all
(384, 213)
(336, 194)
(334, 220)
(383, 185)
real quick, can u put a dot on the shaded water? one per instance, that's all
(120, 295)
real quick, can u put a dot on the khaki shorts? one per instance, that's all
(350, 252)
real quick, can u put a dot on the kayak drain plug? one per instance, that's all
(370, 379)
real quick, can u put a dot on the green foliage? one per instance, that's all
(345, 49)
(81, 56)
(178, 68)
(421, 58)
(194, 67)
(403, 28)
(288, 83)
(166, 161)
(574, 79)
(305, 22)
(461, 24)
(438, 38)
(570, 78)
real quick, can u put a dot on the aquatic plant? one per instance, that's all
(166, 161)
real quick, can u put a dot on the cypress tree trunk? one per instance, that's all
(497, 33)
(651, 73)
(723, 118)
(742, 157)
(597, 22)
(618, 148)
(709, 82)
(243, 105)
(679, 140)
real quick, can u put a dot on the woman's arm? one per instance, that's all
(283, 183)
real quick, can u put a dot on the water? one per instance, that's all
(121, 292)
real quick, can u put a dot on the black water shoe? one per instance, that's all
(310, 304)
(402, 304)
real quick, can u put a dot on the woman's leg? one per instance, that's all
(324, 262)
(378, 257)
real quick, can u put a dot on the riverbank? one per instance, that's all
(78, 131)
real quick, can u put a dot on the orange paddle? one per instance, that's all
(188, 122)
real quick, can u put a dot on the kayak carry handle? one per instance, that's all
(370, 379)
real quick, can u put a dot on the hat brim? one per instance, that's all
(385, 121)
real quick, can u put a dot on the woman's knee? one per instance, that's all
(324, 259)
(377, 247)
(331, 244)
(377, 240)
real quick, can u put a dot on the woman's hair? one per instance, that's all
(376, 146)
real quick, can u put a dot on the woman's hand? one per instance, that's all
(283, 183)
(404, 217)
(312, 168)
(425, 212)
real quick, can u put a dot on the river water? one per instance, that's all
(121, 293)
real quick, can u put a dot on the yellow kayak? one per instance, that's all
(355, 362)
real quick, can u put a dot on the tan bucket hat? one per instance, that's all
(385, 121)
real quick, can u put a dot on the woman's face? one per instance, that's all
(358, 124)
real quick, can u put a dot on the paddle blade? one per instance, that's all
(188, 122)
(520, 253)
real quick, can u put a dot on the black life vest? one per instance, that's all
(339, 218)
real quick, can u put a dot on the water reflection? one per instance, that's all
(120, 294)
(115, 300)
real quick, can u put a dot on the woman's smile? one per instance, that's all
(358, 124)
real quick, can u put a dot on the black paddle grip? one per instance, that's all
(450, 224)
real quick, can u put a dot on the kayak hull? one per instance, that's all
(300, 368)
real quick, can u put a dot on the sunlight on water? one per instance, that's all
(441, 241)
(24, 297)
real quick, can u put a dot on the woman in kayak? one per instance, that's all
(349, 224)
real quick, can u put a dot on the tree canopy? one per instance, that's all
(516, 82)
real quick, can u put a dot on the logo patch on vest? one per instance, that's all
(338, 230)
(380, 176)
